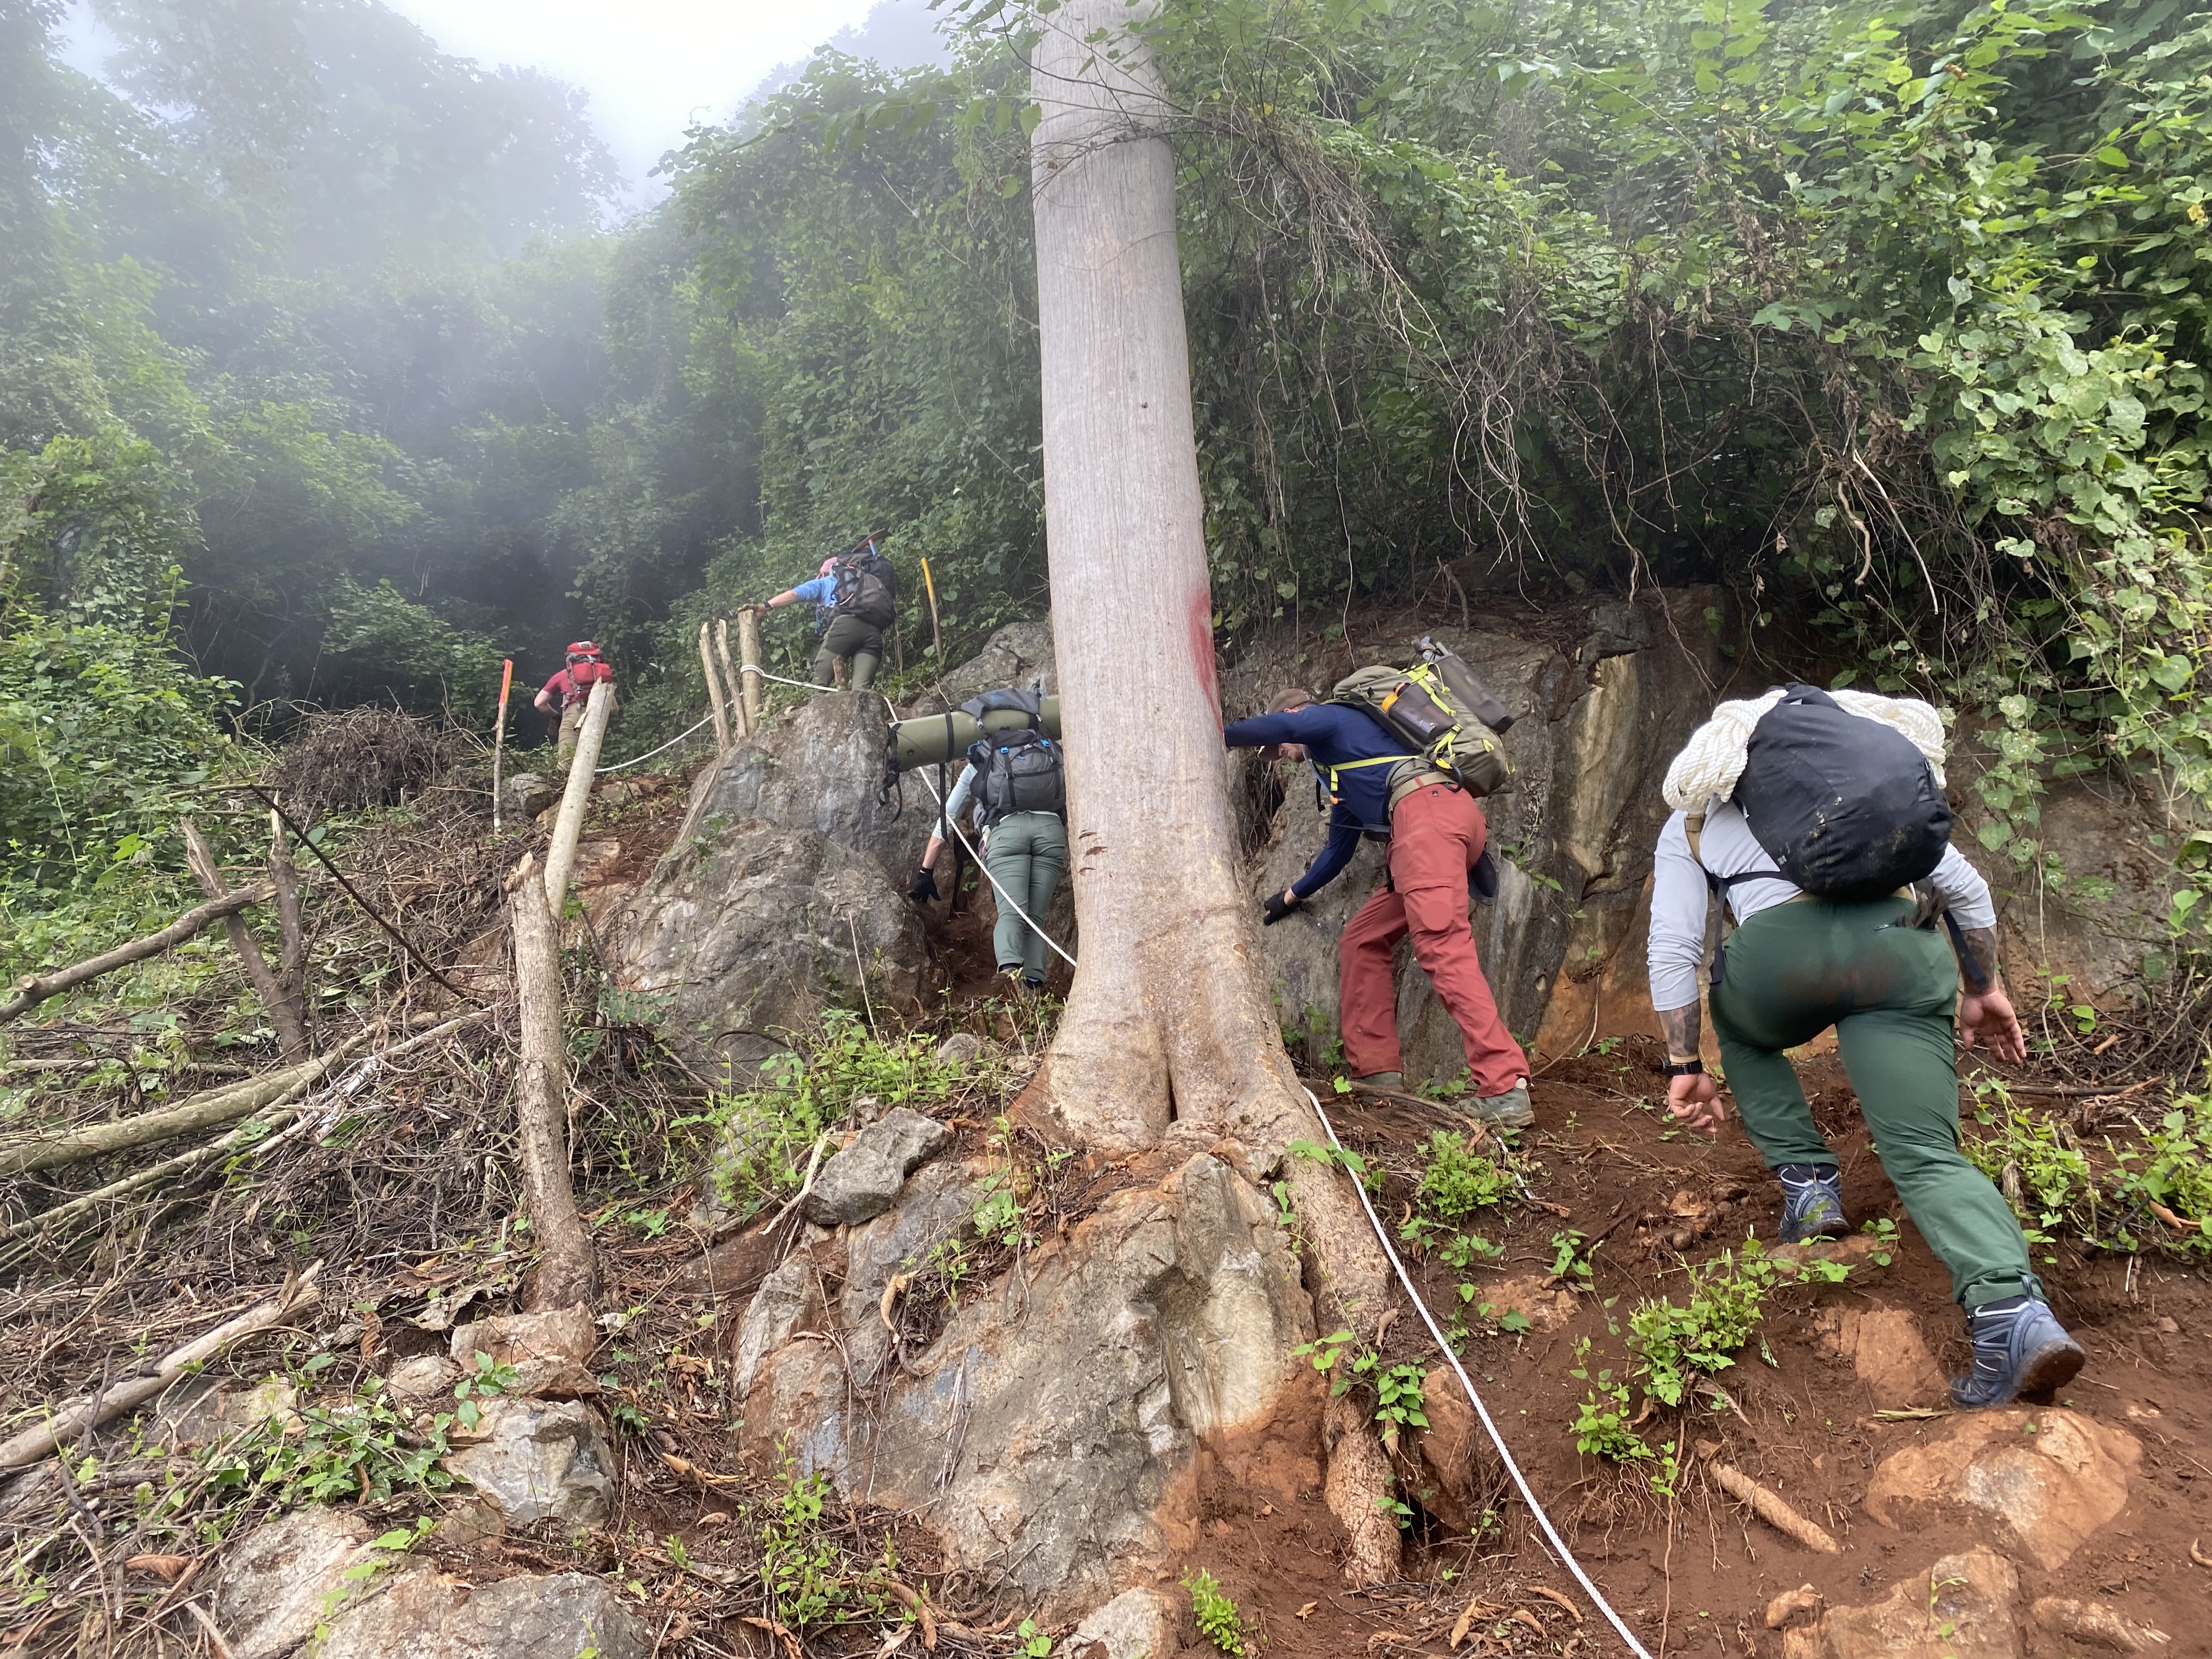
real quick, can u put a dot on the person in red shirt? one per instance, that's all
(571, 688)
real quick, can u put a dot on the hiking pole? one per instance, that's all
(499, 737)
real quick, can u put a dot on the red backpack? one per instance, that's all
(587, 668)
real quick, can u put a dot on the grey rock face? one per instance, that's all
(773, 1314)
(861, 1181)
(539, 1460)
(425, 1615)
(276, 1583)
(1018, 656)
(783, 888)
(933, 1207)
(1049, 1424)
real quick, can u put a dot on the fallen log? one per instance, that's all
(40, 1440)
(275, 1116)
(33, 989)
(201, 1111)
(1770, 1508)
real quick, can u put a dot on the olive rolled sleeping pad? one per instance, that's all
(943, 739)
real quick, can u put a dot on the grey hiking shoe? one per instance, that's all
(1509, 1110)
(2020, 1348)
(1380, 1083)
(1811, 1203)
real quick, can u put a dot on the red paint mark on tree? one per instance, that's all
(1202, 648)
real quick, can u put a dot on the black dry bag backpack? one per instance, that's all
(1847, 807)
(1019, 771)
(867, 588)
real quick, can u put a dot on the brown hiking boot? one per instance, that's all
(1509, 1110)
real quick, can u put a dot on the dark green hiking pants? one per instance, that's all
(849, 636)
(1889, 989)
(1027, 854)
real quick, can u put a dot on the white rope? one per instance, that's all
(1710, 762)
(1528, 1496)
(1004, 897)
(804, 685)
(649, 753)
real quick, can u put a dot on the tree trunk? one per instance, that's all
(566, 1273)
(1168, 1024)
(560, 853)
(1163, 1023)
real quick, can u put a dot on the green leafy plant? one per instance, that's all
(363, 1450)
(1570, 1262)
(1601, 1423)
(1034, 1644)
(1456, 1181)
(1219, 1621)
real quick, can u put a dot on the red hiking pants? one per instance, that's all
(1436, 835)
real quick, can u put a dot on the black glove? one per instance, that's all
(924, 886)
(1277, 907)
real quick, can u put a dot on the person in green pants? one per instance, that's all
(1024, 845)
(1796, 965)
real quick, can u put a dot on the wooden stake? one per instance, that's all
(292, 962)
(936, 634)
(499, 736)
(714, 693)
(290, 1032)
(566, 1273)
(737, 696)
(749, 656)
(560, 856)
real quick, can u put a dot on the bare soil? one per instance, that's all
(1696, 1573)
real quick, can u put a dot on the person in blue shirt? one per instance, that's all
(1436, 833)
(843, 634)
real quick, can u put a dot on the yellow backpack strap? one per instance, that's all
(1353, 766)
(1694, 826)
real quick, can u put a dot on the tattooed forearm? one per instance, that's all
(1680, 1025)
(1982, 946)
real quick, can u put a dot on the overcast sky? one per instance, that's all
(650, 66)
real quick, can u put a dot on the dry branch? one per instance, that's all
(34, 989)
(292, 963)
(567, 1273)
(1770, 1508)
(40, 1440)
(290, 1032)
(201, 1111)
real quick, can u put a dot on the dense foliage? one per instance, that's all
(1890, 321)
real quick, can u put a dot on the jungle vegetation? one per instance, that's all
(328, 375)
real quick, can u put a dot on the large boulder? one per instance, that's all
(1018, 656)
(860, 1181)
(783, 892)
(424, 1615)
(2049, 1478)
(1054, 1429)
(1596, 723)
(539, 1460)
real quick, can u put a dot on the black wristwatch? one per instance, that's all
(1691, 1067)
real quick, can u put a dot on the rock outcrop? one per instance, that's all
(782, 890)
(1054, 1428)
(2049, 1478)
(1961, 1609)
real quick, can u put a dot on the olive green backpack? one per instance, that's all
(1443, 713)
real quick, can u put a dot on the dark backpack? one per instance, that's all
(867, 588)
(1847, 808)
(1019, 771)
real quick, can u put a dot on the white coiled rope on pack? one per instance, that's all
(1710, 762)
